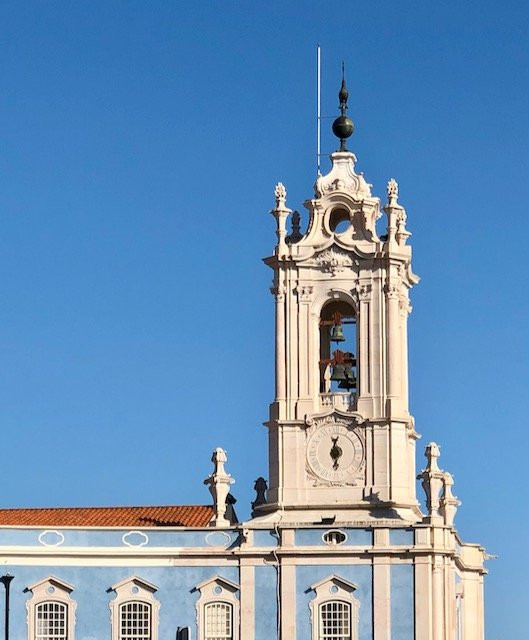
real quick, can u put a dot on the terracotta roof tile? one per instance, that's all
(169, 516)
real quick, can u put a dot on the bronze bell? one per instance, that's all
(338, 373)
(349, 381)
(349, 372)
(337, 334)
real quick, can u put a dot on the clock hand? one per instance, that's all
(335, 453)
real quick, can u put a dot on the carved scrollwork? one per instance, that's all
(392, 290)
(278, 292)
(404, 305)
(353, 183)
(333, 261)
(363, 292)
(304, 292)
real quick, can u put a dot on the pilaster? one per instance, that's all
(288, 601)
(423, 598)
(473, 606)
(381, 589)
(438, 598)
(247, 583)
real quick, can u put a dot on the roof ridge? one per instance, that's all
(150, 506)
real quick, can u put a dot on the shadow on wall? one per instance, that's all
(387, 513)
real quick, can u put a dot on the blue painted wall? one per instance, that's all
(114, 538)
(263, 538)
(404, 537)
(265, 603)
(361, 575)
(402, 589)
(313, 537)
(175, 585)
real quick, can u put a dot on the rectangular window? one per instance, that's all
(135, 621)
(335, 621)
(218, 621)
(51, 621)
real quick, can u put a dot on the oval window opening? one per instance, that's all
(339, 221)
(334, 537)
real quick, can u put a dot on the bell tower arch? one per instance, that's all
(341, 439)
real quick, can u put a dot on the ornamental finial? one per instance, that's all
(219, 486)
(432, 481)
(281, 194)
(343, 96)
(449, 502)
(280, 213)
(343, 126)
(393, 192)
(260, 488)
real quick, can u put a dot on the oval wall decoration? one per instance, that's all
(218, 539)
(135, 539)
(51, 538)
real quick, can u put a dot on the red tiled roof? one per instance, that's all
(170, 516)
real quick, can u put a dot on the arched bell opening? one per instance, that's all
(338, 351)
(339, 220)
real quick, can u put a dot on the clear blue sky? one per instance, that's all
(140, 145)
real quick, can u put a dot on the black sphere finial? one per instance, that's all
(343, 126)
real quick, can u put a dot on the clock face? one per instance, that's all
(335, 454)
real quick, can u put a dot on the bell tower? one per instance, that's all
(341, 439)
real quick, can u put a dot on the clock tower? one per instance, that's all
(342, 443)
(341, 438)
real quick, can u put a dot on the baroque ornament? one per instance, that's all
(343, 178)
(304, 292)
(363, 292)
(393, 191)
(279, 292)
(333, 261)
(280, 194)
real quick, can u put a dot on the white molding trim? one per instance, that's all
(47, 533)
(134, 589)
(139, 534)
(52, 561)
(51, 590)
(341, 583)
(217, 589)
(331, 589)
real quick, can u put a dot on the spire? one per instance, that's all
(343, 126)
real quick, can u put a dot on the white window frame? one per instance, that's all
(132, 590)
(333, 589)
(53, 591)
(221, 591)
